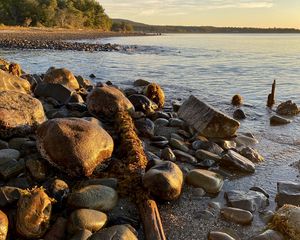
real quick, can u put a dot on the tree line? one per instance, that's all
(55, 13)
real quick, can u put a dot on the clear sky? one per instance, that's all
(254, 13)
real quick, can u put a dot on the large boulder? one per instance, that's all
(107, 101)
(74, 145)
(61, 76)
(207, 120)
(9, 82)
(155, 93)
(20, 114)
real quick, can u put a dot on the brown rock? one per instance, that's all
(10, 82)
(237, 100)
(3, 225)
(74, 145)
(207, 120)
(15, 69)
(20, 114)
(58, 230)
(237, 215)
(33, 213)
(107, 100)
(155, 93)
(61, 76)
(288, 108)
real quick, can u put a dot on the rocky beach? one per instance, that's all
(85, 160)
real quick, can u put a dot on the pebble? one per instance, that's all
(81, 235)
(177, 144)
(237, 161)
(3, 144)
(261, 190)
(184, 157)
(176, 122)
(7, 155)
(288, 192)
(211, 182)
(167, 154)
(219, 236)
(269, 235)
(204, 214)
(203, 154)
(145, 127)
(97, 197)
(118, 232)
(89, 219)
(237, 215)
(176, 136)
(160, 144)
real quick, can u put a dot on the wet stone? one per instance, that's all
(288, 193)
(115, 232)
(89, 219)
(237, 215)
(239, 114)
(203, 154)
(287, 108)
(184, 157)
(219, 236)
(183, 133)
(165, 131)
(277, 120)
(159, 114)
(176, 122)
(251, 201)
(243, 140)
(109, 182)
(251, 154)
(177, 144)
(97, 197)
(158, 138)
(161, 122)
(160, 144)
(211, 182)
(168, 154)
(261, 190)
(204, 214)
(176, 136)
(206, 163)
(269, 235)
(237, 161)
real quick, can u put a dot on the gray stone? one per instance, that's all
(251, 154)
(237, 215)
(89, 219)
(176, 122)
(207, 120)
(160, 144)
(269, 235)
(145, 127)
(204, 214)
(211, 182)
(206, 163)
(164, 180)
(95, 197)
(159, 114)
(214, 235)
(184, 157)
(168, 154)
(243, 140)
(7, 155)
(288, 193)
(3, 144)
(250, 201)
(165, 131)
(109, 182)
(117, 232)
(261, 190)
(184, 133)
(239, 114)
(11, 169)
(276, 120)
(208, 146)
(176, 136)
(237, 161)
(177, 144)
(203, 154)
(161, 122)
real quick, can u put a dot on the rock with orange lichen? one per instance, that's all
(155, 93)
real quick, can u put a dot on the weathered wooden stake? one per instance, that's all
(271, 96)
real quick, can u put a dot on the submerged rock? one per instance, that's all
(239, 114)
(95, 197)
(237, 215)
(155, 93)
(117, 232)
(107, 101)
(288, 193)
(9, 82)
(207, 120)
(164, 180)
(287, 220)
(74, 145)
(33, 214)
(210, 181)
(237, 100)
(288, 108)
(61, 76)
(20, 114)
(276, 120)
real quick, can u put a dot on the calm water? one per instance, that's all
(213, 67)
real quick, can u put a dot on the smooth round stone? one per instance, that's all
(237, 215)
(176, 136)
(176, 122)
(161, 122)
(160, 144)
(167, 154)
(210, 181)
(17, 143)
(158, 138)
(96, 197)
(109, 182)
(199, 192)
(3, 225)
(261, 190)
(277, 120)
(7, 155)
(269, 235)
(89, 219)
(82, 235)
(184, 157)
(239, 114)
(207, 163)
(184, 133)
(204, 214)
(219, 236)
(118, 232)
(178, 145)
(145, 127)
(57, 189)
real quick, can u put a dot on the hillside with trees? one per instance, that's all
(54, 13)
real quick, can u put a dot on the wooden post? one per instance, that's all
(271, 96)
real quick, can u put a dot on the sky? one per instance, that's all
(223, 13)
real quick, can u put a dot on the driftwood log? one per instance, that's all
(133, 166)
(271, 96)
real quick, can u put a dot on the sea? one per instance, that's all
(213, 67)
